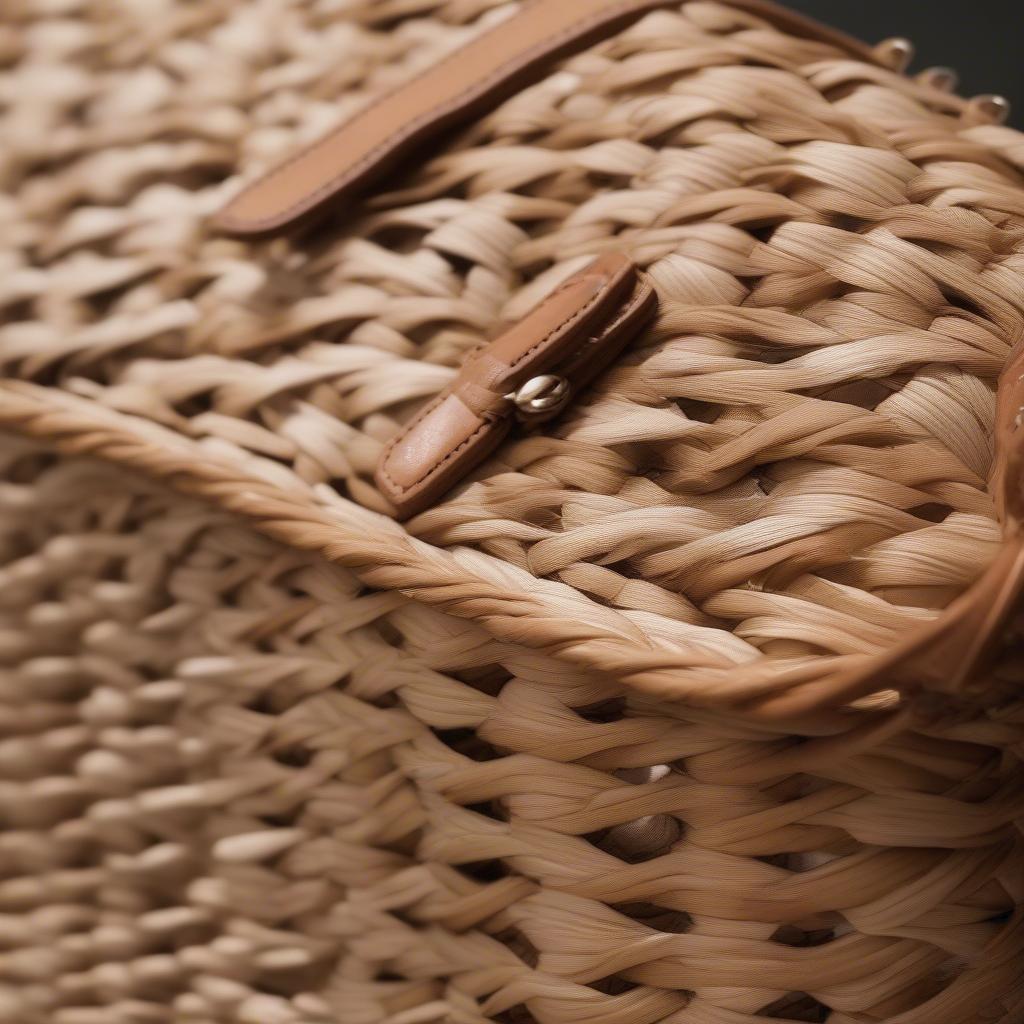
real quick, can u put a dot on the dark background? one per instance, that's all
(983, 40)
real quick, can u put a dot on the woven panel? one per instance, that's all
(239, 787)
(792, 461)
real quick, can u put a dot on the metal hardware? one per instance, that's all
(943, 79)
(896, 53)
(987, 109)
(545, 395)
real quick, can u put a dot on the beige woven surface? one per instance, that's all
(441, 796)
(837, 260)
(240, 788)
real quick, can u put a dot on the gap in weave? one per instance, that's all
(102, 303)
(23, 469)
(516, 1015)
(932, 512)
(661, 919)
(603, 712)
(486, 871)
(488, 679)
(865, 394)
(762, 232)
(640, 841)
(965, 304)
(802, 938)
(492, 809)
(516, 942)
(294, 756)
(19, 310)
(195, 404)
(702, 412)
(613, 985)
(794, 862)
(797, 1006)
(401, 239)
(467, 743)
(390, 633)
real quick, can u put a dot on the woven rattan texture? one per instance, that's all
(239, 787)
(791, 463)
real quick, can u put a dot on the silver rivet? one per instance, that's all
(896, 53)
(987, 109)
(541, 396)
(943, 79)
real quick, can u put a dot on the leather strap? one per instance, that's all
(574, 333)
(475, 78)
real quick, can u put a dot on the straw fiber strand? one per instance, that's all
(671, 713)
(239, 787)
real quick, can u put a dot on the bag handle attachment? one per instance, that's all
(469, 82)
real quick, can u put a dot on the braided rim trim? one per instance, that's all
(546, 616)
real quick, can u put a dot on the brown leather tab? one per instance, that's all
(573, 334)
(475, 78)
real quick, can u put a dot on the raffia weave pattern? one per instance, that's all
(245, 780)
(838, 266)
(241, 788)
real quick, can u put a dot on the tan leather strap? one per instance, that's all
(560, 345)
(470, 81)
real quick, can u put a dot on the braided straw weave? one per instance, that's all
(268, 757)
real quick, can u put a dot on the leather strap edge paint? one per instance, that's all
(579, 329)
(455, 89)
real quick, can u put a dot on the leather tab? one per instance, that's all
(575, 332)
(472, 80)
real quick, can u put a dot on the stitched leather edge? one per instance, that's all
(226, 219)
(444, 395)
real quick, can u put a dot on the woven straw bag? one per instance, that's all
(330, 693)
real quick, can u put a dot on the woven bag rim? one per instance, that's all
(508, 603)
(550, 617)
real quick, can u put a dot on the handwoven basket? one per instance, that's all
(701, 704)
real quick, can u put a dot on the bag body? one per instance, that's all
(700, 702)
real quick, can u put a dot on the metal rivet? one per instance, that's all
(540, 396)
(987, 109)
(895, 53)
(943, 79)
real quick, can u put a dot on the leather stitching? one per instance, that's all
(310, 199)
(400, 491)
(643, 292)
(338, 181)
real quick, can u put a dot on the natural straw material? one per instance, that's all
(600, 737)
(241, 788)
